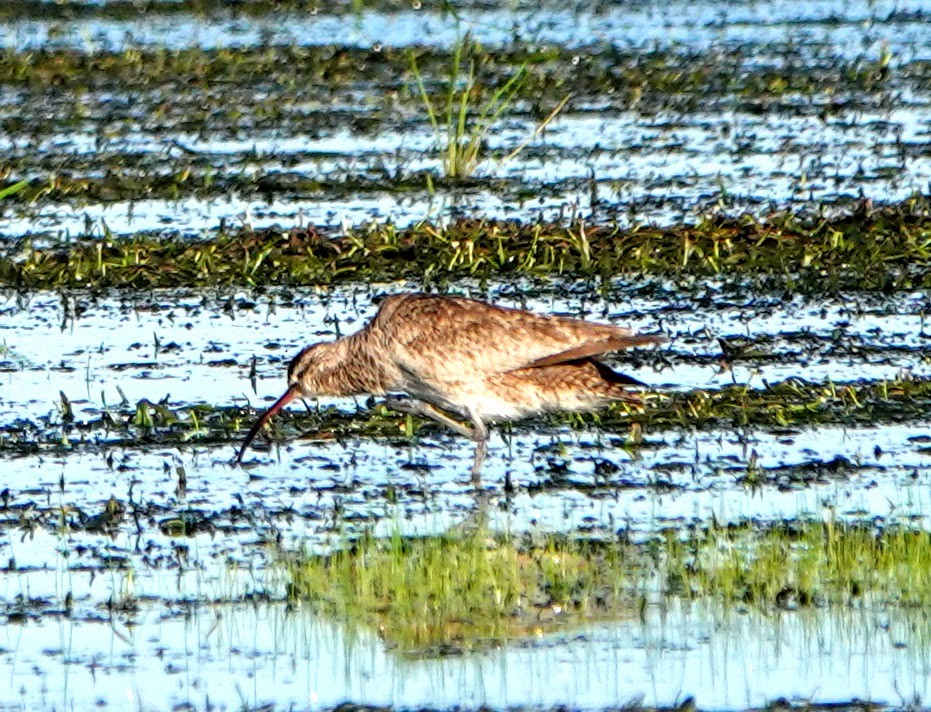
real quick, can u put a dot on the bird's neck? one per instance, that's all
(358, 371)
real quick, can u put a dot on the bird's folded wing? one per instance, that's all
(449, 339)
(596, 348)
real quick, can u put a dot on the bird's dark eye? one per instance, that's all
(293, 371)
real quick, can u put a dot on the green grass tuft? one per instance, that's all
(461, 127)
(444, 592)
(803, 563)
(462, 591)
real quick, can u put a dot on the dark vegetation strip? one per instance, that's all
(70, 185)
(868, 249)
(58, 10)
(132, 184)
(220, 9)
(791, 403)
(134, 9)
(625, 75)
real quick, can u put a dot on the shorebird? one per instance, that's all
(456, 357)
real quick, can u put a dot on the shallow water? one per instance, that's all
(182, 629)
(254, 655)
(602, 165)
(669, 157)
(195, 348)
(850, 27)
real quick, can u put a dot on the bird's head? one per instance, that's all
(307, 376)
(308, 371)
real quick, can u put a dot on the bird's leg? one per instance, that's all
(480, 435)
(476, 521)
(425, 410)
(478, 432)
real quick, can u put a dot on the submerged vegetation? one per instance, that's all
(458, 591)
(885, 248)
(800, 563)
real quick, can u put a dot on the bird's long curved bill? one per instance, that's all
(288, 396)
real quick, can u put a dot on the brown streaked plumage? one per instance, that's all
(467, 358)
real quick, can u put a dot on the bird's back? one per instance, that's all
(444, 338)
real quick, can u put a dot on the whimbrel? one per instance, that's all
(456, 357)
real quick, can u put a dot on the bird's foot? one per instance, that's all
(476, 522)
